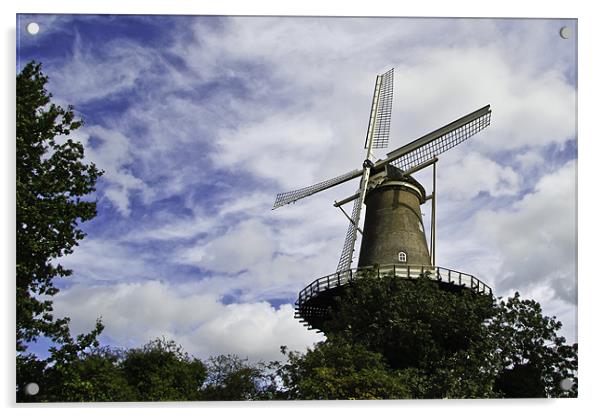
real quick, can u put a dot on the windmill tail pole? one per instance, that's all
(433, 213)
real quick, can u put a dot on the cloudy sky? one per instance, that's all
(198, 122)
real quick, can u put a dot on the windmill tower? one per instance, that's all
(393, 237)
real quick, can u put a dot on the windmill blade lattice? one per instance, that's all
(439, 141)
(292, 196)
(348, 247)
(380, 116)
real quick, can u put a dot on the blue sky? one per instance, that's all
(199, 121)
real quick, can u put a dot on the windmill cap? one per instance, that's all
(394, 176)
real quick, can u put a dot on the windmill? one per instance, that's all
(393, 238)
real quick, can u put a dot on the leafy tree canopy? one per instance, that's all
(338, 370)
(162, 371)
(230, 377)
(52, 180)
(77, 370)
(85, 372)
(535, 360)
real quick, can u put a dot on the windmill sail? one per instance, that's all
(438, 141)
(380, 114)
(349, 245)
(378, 136)
(292, 196)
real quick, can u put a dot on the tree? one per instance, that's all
(535, 360)
(409, 321)
(77, 370)
(336, 370)
(230, 377)
(52, 181)
(95, 376)
(438, 334)
(162, 371)
(81, 371)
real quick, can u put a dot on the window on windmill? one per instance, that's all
(402, 257)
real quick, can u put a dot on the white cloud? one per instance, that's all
(469, 174)
(529, 160)
(282, 147)
(91, 73)
(239, 248)
(529, 108)
(170, 229)
(113, 154)
(102, 260)
(135, 313)
(267, 257)
(536, 236)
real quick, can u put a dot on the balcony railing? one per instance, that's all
(438, 274)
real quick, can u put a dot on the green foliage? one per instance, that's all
(231, 378)
(30, 369)
(94, 377)
(162, 371)
(433, 340)
(336, 370)
(75, 371)
(51, 183)
(535, 359)
(410, 322)
(83, 372)
(396, 338)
